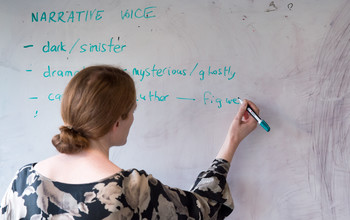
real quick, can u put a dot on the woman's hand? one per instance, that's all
(242, 124)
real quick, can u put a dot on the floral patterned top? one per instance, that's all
(130, 194)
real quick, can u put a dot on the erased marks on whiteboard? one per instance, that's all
(328, 106)
(250, 25)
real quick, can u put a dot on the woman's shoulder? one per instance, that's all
(25, 171)
(25, 175)
(136, 177)
(27, 167)
(133, 172)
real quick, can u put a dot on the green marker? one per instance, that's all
(261, 122)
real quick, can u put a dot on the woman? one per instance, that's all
(82, 183)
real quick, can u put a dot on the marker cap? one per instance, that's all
(265, 125)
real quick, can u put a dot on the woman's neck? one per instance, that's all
(89, 165)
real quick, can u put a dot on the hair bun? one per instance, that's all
(70, 140)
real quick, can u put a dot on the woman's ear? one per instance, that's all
(116, 124)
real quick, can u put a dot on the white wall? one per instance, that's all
(290, 57)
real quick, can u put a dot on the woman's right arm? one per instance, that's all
(242, 124)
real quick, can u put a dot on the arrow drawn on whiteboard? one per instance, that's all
(190, 99)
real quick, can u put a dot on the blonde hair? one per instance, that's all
(92, 102)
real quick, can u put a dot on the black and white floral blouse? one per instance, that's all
(130, 194)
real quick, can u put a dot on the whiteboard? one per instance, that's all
(190, 60)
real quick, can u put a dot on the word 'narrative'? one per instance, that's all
(75, 16)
